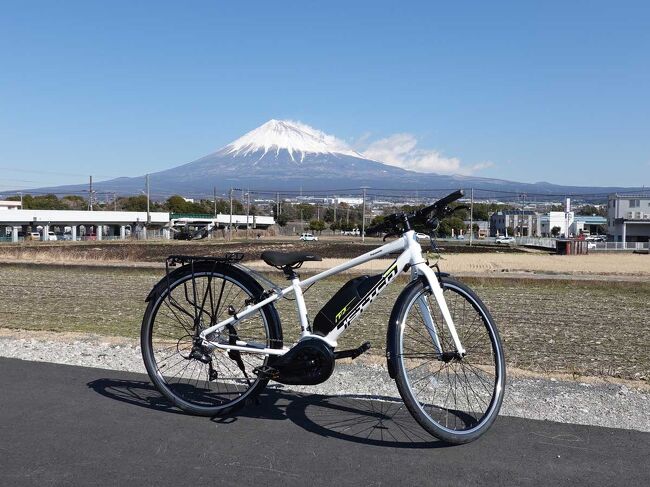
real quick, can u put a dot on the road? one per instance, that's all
(65, 425)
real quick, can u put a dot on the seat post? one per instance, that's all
(290, 272)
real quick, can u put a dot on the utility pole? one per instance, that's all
(230, 226)
(277, 205)
(21, 200)
(114, 201)
(248, 208)
(148, 199)
(90, 195)
(214, 194)
(335, 205)
(471, 218)
(363, 217)
(521, 219)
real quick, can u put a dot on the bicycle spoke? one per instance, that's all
(452, 392)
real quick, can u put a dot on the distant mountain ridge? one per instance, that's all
(282, 155)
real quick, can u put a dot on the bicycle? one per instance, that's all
(212, 338)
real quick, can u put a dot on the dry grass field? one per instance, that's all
(583, 327)
(603, 264)
(456, 259)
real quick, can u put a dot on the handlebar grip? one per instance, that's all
(450, 198)
(440, 204)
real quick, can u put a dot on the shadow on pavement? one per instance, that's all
(355, 418)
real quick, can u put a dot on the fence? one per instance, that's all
(604, 246)
(548, 243)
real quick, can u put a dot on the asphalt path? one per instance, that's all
(65, 425)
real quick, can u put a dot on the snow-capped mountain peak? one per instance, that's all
(296, 138)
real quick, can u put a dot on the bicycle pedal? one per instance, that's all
(266, 372)
(354, 353)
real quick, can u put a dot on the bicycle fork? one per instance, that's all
(423, 304)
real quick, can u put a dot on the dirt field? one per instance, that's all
(491, 264)
(455, 259)
(156, 251)
(592, 327)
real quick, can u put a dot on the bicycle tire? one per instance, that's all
(480, 374)
(199, 393)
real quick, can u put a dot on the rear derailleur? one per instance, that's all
(202, 354)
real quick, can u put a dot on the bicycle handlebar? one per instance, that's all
(440, 209)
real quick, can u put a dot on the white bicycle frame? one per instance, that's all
(411, 255)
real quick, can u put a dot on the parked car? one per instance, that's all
(422, 236)
(505, 240)
(460, 237)
(51, 236)
(32, 236)
(308, 237)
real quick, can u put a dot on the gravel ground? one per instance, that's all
(620, 405)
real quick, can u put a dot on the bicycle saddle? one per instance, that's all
(281, 259)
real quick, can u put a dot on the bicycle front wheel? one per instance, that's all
(452, 397)
(200, 379)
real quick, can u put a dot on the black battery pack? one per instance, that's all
(343, 302)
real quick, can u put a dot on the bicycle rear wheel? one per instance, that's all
(200, 379)
(452, 397)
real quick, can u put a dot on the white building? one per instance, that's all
(628, 217)
(10, 205)
(560, 219)
(348, 201)
(95, 224)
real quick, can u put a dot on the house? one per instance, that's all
(524, 223)
(557, 219)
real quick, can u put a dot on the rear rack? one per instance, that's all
(229, 257)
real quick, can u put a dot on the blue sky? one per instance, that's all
(527, 91)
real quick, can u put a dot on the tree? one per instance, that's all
(448, 224)
(75, 202)
(589, 210)
(481, 212)
(282, 220)
(42, 202)
(305, 211)
(555, 231)
(329, 215)
(177, 204)
(316, 226)
(288, 211)
(377, 220)
(133, 203)
(346, 227)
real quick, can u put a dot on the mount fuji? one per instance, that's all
(282, 155)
